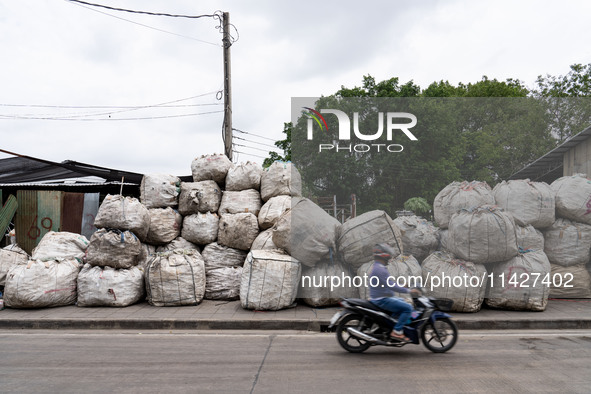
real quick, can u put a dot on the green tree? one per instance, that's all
(567, 99)
(284, 145)
(418, 205)
(484, 131)
(576, 83)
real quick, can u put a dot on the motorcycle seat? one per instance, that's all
(367, 304)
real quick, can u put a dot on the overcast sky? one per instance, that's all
(74, 79)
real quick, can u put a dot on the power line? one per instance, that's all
(99, 106)
(250, 147)
(143, 12)
(255, 142)
(125, 108)
(105, 106)
(149, 27)
(74, 115)
(249, 154)
(7, 117)
(255, 135)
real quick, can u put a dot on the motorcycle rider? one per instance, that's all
(381, 293)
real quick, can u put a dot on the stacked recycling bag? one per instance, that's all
(241, 232)
(49, 278)
(568, 239)
(491, 242)
(112, 275)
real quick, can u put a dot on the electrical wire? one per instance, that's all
(142, 12)
(250, 147)
(75, 115)
(255, 142)
(78, 115)
(249, 154)
(6, 117)
(105, 106)
(255, 135)
(149, 27)
(227, 40)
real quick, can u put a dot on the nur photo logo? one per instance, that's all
(389, 121)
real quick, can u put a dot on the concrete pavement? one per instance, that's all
(559, 314)
(235, 361)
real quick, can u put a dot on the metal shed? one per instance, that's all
(571, 157)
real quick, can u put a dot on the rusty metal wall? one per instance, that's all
(38, 213)
(72, 208)
(41, 211)
(49, 211)
(25, 224)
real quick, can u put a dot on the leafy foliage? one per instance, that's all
(284, 145)
(567, 98)
(418, 205)
(483, 131)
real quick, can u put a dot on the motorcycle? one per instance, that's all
(362, 324)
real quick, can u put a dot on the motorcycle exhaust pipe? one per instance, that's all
(358, 334)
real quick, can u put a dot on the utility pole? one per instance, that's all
(227, 42)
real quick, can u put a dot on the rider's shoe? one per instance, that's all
(399, 336)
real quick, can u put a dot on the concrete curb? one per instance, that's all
(270, 324)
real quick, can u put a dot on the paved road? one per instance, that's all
(259, 362)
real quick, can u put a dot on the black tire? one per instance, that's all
(442, 342)
(347, 341)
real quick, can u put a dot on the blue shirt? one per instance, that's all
(382, 288)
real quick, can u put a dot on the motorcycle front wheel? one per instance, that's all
(441, 337)
(347, 341)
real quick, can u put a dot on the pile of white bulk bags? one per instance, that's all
(280, 178)
(357, 237)
(201, 228)
(223, 271)
(272, 210)
(60, 245)
(244, 176)
(306, 232)
(269, 280)
(165, 225)
(112, 275)
(530, 203)
(39, 284)
(11, 256)
(123, 213)
(520, 283)
(573, 196)
(211, 167)
(107, 286)
(242, 201)
(195, 197)
(238, 230)
(326, 284)
(419, 236)
(159, 190)
(404, 270)
(461, 281)
(485, 234)
(175, 278)
(113, 248)
(460, 195)
(568, 243)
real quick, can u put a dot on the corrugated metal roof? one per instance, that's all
(551, 162)
(29, 184)
(23, 169)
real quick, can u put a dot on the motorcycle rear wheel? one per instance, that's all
(443, 339)
(347, 341)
